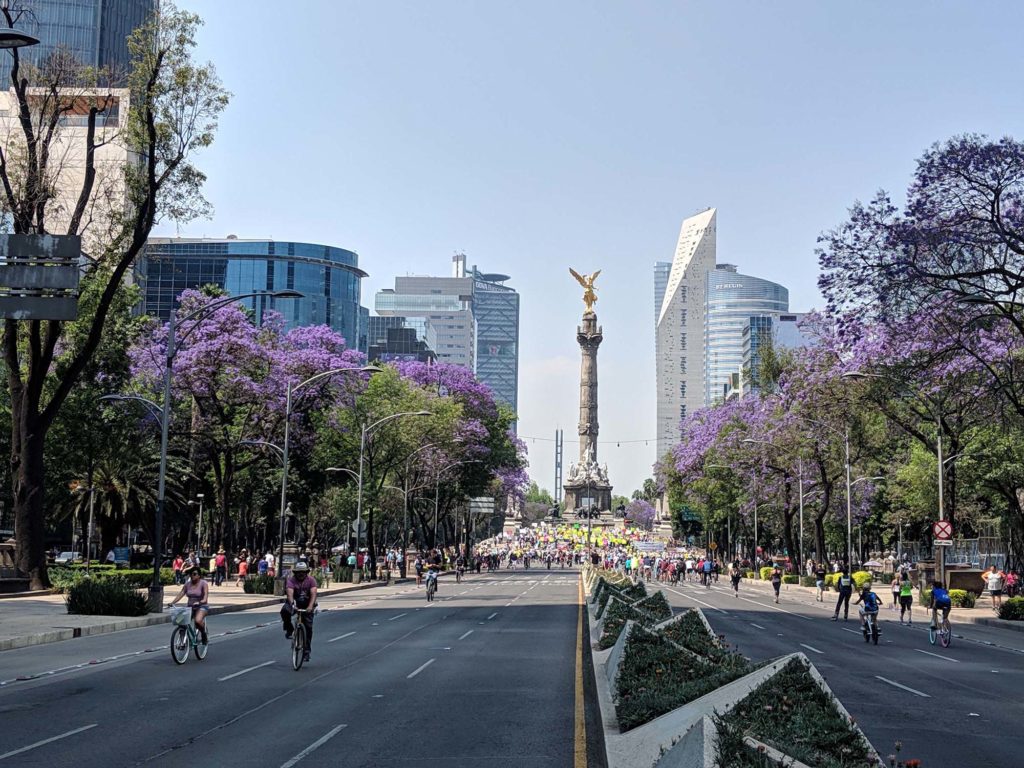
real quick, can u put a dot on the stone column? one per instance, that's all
(589, 338)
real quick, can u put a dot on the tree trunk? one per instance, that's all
(29, 478)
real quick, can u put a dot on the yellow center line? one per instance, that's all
(580, 753)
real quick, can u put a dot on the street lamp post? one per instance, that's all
(291, 390)
(199, 527)
(156, 590)
(437, 488)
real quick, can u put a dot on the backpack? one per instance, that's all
(871, 602)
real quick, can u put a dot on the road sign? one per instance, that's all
(942, 529)
(943, 542)
(357, 530)
(713, 546)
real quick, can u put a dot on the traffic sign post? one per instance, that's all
(942, 530)
(943, 542)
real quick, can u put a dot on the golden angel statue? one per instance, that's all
(587, 281)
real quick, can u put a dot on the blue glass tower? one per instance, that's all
(328, 276)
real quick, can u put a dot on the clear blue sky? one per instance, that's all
(536, 136)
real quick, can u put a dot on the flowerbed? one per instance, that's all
(628, 593)
(791, 713)
(647, 613)
(691, 633)
(655, 677)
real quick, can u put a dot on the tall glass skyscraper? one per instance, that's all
(732, 300)
(328, 276)
(95, 32)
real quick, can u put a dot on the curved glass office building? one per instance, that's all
(328, 276)
(732, 300)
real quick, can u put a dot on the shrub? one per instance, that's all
(1012, 609)
(629, 593)
(63, 578)
(105, 597)
(830, 579)
(692, 634)
(748, 574)
(259, 585)
(655, 677)
(793, 714)
(790, 578)
(808, 581)
(924, 597)
(860, 578)
(766, 573)
(961, 598)
(656, 606)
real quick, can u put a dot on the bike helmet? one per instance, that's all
(301, 566)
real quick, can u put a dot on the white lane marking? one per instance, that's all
(14, 752)
(315, 745)
(905, 688)
(709, 605)
(341, 637)
(852, 631)
(937, 656)
(398, 616)
(250, 669)
(470, 632)
(756, 625)
(419, 669)
(492, 616)
(812, 648)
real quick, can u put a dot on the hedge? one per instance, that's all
(860, 578)
(808, 581)
(791, 713)
(960, 598)
(105, 597)
(1012, 609)
(766, 572)
(260, 584)
(748, 574)
(790, 578)
(62, 578)
(629, 593)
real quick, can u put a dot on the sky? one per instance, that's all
(538, 136)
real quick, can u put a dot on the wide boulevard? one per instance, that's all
(960, 705)
(485, 675)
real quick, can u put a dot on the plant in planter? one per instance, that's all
(792, 713)
(1012, 609)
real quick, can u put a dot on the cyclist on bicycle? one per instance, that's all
(300, 590)
(940, 599)
(460, 567)
(197, 590)
(869, 604)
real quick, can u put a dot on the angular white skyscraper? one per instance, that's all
(679, 337)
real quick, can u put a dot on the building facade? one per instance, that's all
(679, 334)
(329, 278)
(94, 32)
(661, 273)
(733, 302)
(392, 339)
(470, 318)
(784, 332)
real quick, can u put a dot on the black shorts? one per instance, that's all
(996, 592)
(906, 601)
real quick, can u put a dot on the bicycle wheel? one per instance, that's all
(931, 634)
(874, 632)
(946, 634)
(180, 645)
(201, 649)
(298, 645)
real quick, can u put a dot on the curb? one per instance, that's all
(138, 622)
(16, 595)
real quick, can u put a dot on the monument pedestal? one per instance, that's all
(598, 495)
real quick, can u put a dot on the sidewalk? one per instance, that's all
(42, 619)
(981, 614)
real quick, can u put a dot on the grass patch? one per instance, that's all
(791, 713)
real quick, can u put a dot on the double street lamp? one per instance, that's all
(437, 488)
(156, 590)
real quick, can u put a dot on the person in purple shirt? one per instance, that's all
(300, 591)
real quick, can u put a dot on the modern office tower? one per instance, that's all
(679, 338)
(94, 32)
(470, 318)
(784, 332)
(732, 299)
(391, 339)
(328, 276)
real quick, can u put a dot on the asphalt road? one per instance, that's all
(484, 675)
(961, 705)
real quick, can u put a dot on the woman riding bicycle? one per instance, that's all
(197, 590)
(300, 590)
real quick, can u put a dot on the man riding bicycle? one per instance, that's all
(300, 593)
(940, 599)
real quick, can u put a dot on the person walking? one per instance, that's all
(819, 581)
(734, 576)
(220, 564)
(895, 586)
(776, 579)
(906, 598)
(179, 563)
(845, 585)
(243, 568)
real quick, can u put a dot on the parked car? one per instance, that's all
(67, 558)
